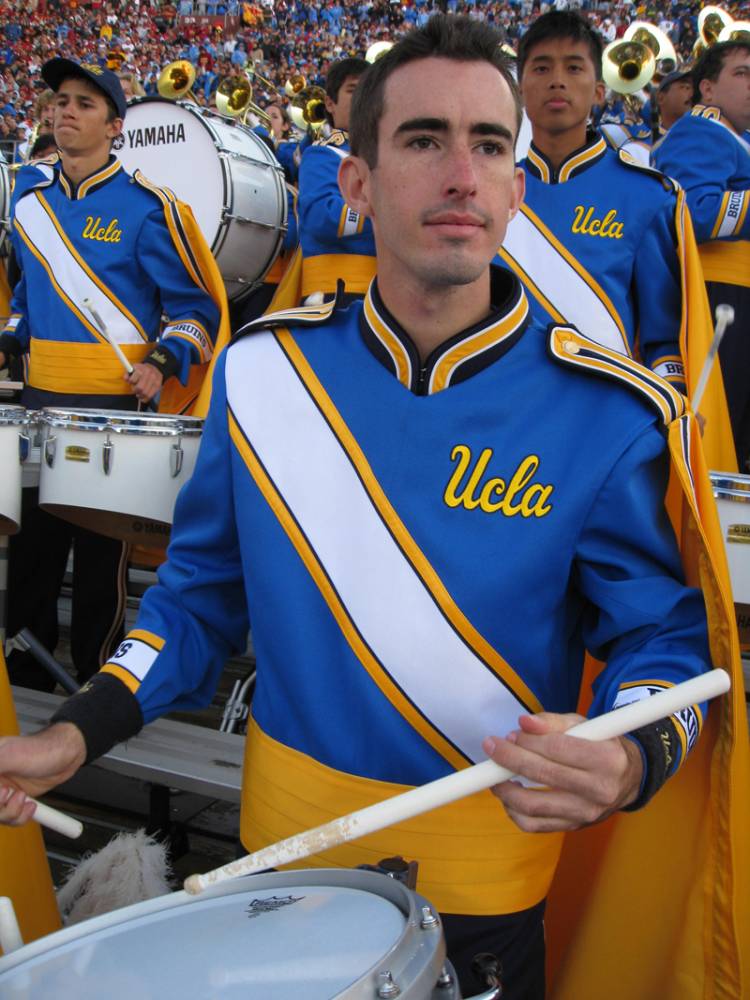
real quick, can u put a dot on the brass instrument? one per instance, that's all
(254, 75)
(376, 50)
(234, 99)
(627, 66)
(176, 80)
(308, 108)
(659, 43)
(737, 31)
(295, 84)
(711, 22)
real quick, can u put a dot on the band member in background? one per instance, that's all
(83, 228)
(597, 237)
(336, 243)
(429, 505)
(674, 98)
(708, 154)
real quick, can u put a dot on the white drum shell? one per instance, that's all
(223, 170)
(12, 426)
(4, 200)
(315, 935)
(135, 499)
(732, 494)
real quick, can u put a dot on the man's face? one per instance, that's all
(445, 185)
(559, 85)
(731, 91)
(340, 109)
(81, 127)
(675, 101)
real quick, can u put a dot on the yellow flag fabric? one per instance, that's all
(24, 872)
(696, 334)
(656, 904)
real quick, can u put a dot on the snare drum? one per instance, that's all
(16, 431)
(732, 493)
(114, 471)
(301, 935)
(223, 170)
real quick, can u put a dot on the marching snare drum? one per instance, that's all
(223, 170)
(300, 935)
(732, 493)
(16, 439)
(115, 471)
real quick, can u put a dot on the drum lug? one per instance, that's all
(24, 445)
(176, 455)
(388, 990)
(107, 455)
(50, 447)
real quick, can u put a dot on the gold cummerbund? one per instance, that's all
(320, 274)
(725, 262)
(472, 858)
(86, 369)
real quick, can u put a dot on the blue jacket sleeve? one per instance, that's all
(639, 615)
(16, 334)
(702, 156)
(326, 223)
(193, 315)
(195, 617)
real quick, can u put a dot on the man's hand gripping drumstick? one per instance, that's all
(145, 379)
(473, 779)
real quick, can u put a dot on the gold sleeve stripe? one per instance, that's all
(150, 638)
(131, 683)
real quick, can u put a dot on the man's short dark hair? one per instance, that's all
(444, 36)
(43, 145)
(711, 63)
(568, 24)
(340, 71)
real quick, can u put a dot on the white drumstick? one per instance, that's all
(724, 318)
(456, 786)
(55, 820)
(105, 333)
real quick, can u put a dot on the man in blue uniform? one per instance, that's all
(429, 505)
(84, 229)
(596, 241)
(336, 242)
(708, 153)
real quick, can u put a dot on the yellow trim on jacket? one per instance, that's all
(320, 273)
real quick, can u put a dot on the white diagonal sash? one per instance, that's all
(69, 275)
(385, 598)
(561, 284)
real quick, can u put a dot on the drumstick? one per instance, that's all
(58, 821)
(456, 786)
(105, 333)
(724, 318)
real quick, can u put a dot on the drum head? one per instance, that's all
(173, 146)
(276, 937)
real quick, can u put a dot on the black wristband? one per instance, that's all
(9, 346)
(660, 745)
(162, 359)
(106, 713)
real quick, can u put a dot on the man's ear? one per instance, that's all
(354, 184)
(600, 93)
(706, 88)
(115, 128)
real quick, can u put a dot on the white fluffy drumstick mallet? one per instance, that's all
(105, 333)
(456, 786)
(724, 318)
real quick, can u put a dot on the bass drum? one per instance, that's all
(223, 170)
(4, 200)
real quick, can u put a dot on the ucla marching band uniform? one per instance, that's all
(596, 243)
(336, 242)
(343, 498)
(113, 240)
(711, 161)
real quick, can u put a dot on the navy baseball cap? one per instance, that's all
(677, 74)
(57, 70)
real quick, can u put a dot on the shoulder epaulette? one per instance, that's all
(571, 348)
(336, 138)
(47, 161)
(630, 161)
(164, 194)
(40, 173)
(703, 111)
(296, 316)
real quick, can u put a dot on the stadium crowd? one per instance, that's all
(280, 39)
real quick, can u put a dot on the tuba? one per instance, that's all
(736, 31)
(176, 80)
(294, 85)
(234, 99)
(308, 108)
(376, 50)
(657, 40)
(627, 66)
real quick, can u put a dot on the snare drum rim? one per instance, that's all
(14, 415)
(121, 422)
(409, 903)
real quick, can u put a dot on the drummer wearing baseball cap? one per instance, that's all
(83, 231)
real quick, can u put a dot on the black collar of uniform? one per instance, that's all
(579, 160)
(91, 183)
(462, 355)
